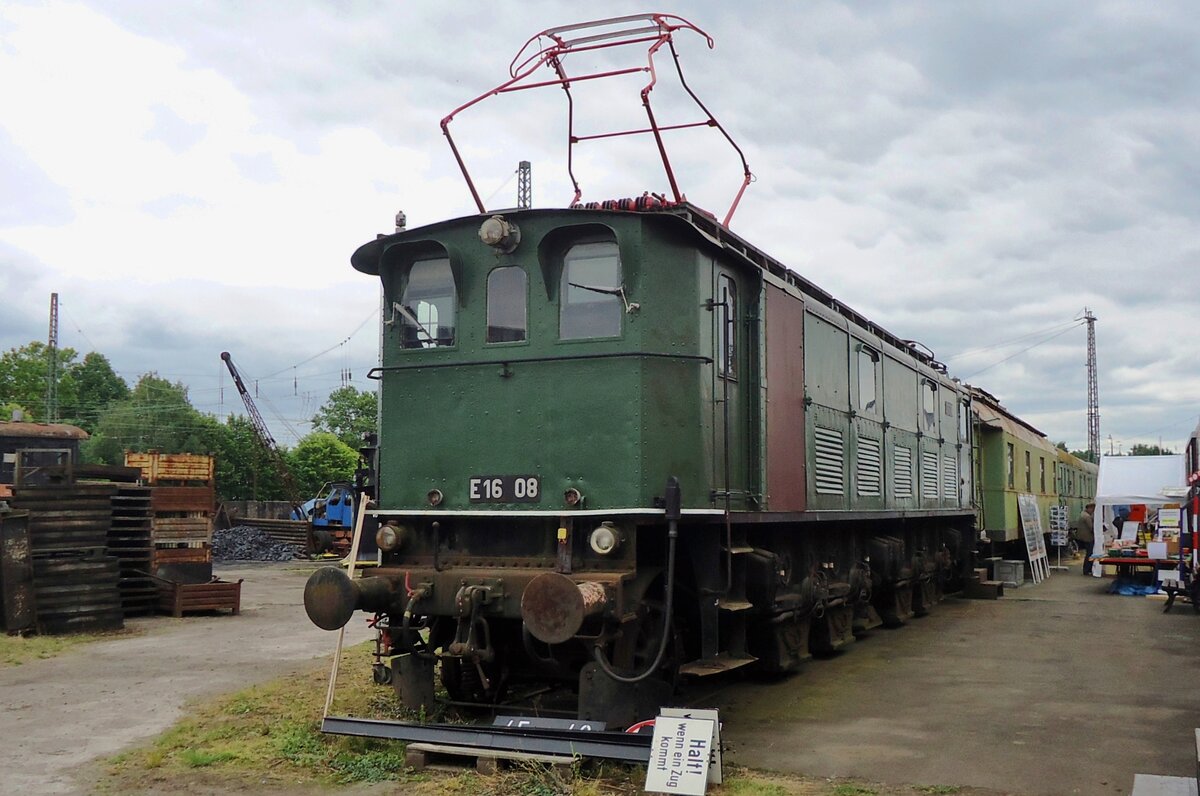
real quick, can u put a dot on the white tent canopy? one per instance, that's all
(1134, 480)
(1148, 480)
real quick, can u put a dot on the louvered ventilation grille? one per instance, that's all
(829, 455)
(950, 478)
(929, 474)
(870, 471)
(904, 475)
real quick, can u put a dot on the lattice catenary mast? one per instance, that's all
(1093, 389)
(524, 185)
(52, 359)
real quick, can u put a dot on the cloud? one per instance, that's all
(962, 175)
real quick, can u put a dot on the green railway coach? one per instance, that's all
(1013, 457)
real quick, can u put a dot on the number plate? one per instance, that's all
(504, 489)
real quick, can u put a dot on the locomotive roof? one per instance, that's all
(366, 259)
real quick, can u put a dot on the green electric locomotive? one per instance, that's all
(619, 444)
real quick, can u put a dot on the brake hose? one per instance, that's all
(674, 511)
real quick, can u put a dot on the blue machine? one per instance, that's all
(331, 509)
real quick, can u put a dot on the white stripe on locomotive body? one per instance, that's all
(565, 514)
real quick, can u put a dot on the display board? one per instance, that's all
(1035, 545)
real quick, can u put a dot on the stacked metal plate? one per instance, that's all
(131, 542)
(67, 520)
(75, 581)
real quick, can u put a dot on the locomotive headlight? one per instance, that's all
(500, 234)
(391, 537)
(572, 497)
(434, 496)
(605, 539)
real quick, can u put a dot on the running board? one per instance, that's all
(723, 662)
(625, 747)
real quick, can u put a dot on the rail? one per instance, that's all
(620, 746)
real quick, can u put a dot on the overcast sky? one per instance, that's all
(192, 177)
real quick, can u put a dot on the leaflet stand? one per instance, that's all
(1059, 529)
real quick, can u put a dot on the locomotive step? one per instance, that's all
(728, 604)
(724, 662)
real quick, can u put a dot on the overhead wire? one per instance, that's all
(374, 313)
(1022, 351)
(1014, 340)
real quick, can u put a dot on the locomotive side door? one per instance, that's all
(731, 375)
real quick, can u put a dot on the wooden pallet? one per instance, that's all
(487, 761)
(178, 599)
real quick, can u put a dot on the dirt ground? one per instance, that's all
(96, 699)
(1058, 688)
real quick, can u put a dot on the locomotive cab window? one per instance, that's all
(727, 315)
(427, 308)
(591, 295)
(507, 296)
(868, 370)
(929, 406)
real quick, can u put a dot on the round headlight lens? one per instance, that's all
(605, 539)
(387, 538)
(434, 496)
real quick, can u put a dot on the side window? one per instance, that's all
(727, 315)
(1012, 466)
(507, 296)
(1042, 463)
(929, 406)
(430, 301)
(1028, 473)
(868, 373)
(590, 302)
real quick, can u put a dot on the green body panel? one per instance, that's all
(613, 428)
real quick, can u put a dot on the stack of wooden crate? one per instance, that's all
(183, 500)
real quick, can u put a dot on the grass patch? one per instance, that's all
(267, 739)
(269, 736)
(17, 650)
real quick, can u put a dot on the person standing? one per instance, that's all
(1085, 534)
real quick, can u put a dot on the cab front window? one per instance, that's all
(428, 305)
(507, 297)
(590, 303)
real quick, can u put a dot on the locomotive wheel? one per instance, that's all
(461, 679)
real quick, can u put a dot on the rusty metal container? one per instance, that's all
(173, 468)
(16, 573)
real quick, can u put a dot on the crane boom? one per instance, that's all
(266, 440)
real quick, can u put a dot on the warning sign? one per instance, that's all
(679, 756)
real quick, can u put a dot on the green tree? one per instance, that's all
(94, 385)
(24, 374)
(244, 470)
(348, 413)
(1140, 449)
(320, 457)
(157, 415)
